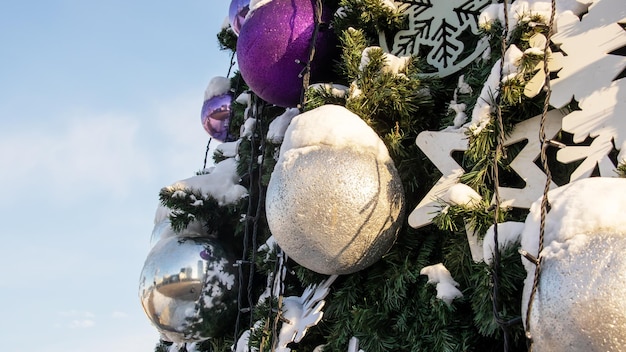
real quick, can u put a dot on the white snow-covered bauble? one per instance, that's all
(579, 304)
(335, 198)
(188, 289)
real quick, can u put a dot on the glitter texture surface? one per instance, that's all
(270, 41)
(334, 210)
(580, 303)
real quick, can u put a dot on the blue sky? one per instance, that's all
(99, 109)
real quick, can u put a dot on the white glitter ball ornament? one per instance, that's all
(579, 304)
(335, 198)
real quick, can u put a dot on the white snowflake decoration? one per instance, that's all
(594, 155)
(436, 27)
(353, 345)
(589, 76)
(592, 60)
(588, 66)
(301, 313)
(537, 44)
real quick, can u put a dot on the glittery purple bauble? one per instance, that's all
(273, 37)
(216, 116)
(237, 14)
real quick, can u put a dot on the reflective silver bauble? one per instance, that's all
(335, 210)
(580, 303)
(163, 229)
(188, 288)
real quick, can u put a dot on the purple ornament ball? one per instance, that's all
(215, 116)
(274, 37)
(206, 254)
(237, 14)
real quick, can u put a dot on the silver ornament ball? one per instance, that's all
(579, 304)
(188, 288)
(335, 210)
(163, 229)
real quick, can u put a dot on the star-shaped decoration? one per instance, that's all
(524, 163)
(438, 147)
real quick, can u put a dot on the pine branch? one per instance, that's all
(390, 306)
(227, 39)
(369, 15)
(353, 43)
(510, 289)
(621, 170)
(190, 205)
(321, 96)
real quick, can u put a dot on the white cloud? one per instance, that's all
(97, 152)
(119, 315)
(77, 313)
(76, 319)
(87, 153)
(81, 324)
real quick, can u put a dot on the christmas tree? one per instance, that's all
(400, 176)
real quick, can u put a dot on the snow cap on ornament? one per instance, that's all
(222, 184)
(215, 113)
(187, 286)
(273, 47)
(163, 227)
(579, 304)
(335, 199)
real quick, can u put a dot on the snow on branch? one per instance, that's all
(447, 289)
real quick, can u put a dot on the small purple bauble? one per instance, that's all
(237, 14)
(215, 116)
(206, 254)
(273, 38)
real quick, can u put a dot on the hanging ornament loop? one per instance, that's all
(545, 205)
(277, 292)
(231, 64)
(206, 153)
(253, 215)
(305, 74)
(531, 258)
(500, 153)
